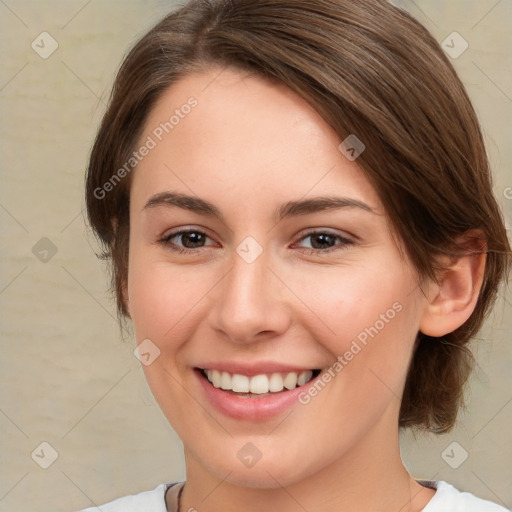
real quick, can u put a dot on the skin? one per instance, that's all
(248, 147)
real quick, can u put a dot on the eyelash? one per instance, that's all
(166, 241)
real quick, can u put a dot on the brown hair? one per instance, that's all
(369, 69)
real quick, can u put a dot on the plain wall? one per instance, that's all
(67, 377)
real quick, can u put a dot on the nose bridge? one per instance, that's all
(248, 302)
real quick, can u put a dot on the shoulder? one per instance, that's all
(153, 500)
(449, 499)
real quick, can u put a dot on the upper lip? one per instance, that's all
(266, 367)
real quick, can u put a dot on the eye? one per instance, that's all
(190, 238)
(324, 241)
(193, 239)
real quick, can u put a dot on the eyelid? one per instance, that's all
(327, 231)
(184, 230)
(345, 239)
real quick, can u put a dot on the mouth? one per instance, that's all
(257, 386)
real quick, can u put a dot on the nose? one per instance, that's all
(250, 304)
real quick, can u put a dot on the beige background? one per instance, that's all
(67, 377)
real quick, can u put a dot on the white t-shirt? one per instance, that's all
(446, 499)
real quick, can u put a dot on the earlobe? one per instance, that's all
(452, 300)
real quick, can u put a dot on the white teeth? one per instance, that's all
(304, 377)
(275, 382)
(216, 378)
(290, 381)
(240, 383)
(225, 381)
(258, 384)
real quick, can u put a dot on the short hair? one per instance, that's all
(369, 69)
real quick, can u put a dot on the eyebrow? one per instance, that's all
(289, 209)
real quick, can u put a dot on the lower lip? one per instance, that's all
(247, 408)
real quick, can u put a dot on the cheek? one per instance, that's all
(375, 349)
(369, 324)
(163, 300)
(357, 303)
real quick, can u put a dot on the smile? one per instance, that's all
(259, 391)
(258, 385)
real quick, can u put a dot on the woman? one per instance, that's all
(298, 206)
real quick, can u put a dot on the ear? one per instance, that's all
(452, 300)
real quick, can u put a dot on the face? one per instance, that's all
(256, 284)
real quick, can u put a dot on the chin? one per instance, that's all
(271, 472)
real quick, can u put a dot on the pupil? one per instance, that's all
(188, 236)
(324, 237)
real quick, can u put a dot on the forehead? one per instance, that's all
(227, 133)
